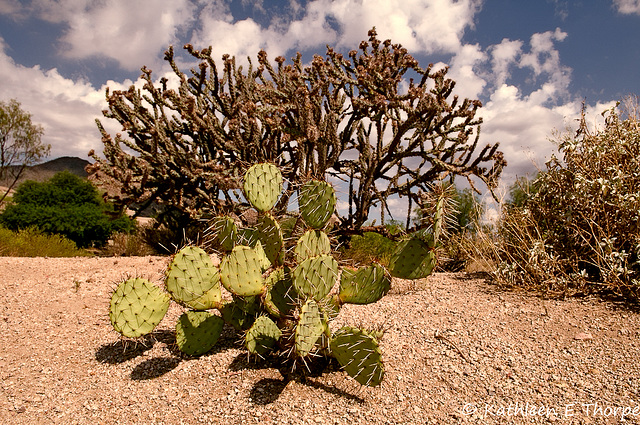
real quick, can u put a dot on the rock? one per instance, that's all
(583, 336)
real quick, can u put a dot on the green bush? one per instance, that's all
(65, 205)
(31, 242)
(579, 230)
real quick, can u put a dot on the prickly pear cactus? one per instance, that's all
(137, 307)
(284, 291)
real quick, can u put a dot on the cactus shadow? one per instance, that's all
(267, 390)
(126, 349)
(154, 368)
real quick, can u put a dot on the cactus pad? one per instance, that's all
(247, 237)
(241, 272)
(191, 274)
(270, 236)
(315, 276)
(309, 329)
(262, 336)
(280, 297)
(412, 259)
(137, 306)
(317, 202)
(233, 314)
(364, 286)
(359, 353)
(197, 332)
(224, 232)
(262, 186)
(311, 244)
(211, 299)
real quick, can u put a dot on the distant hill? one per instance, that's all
(46, 170)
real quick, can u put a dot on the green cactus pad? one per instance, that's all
(364, 286)
(317, 202)
(234, 314)
(197, 332)
(262, 336)
(211, 299)
(359, 353)
(191, 274)
(309, 329)
(247, 237)
(137, 306)
(262, 186)
(279, 300)
(315, 276)
(270, 236)
(412, 259)
(263, 260)
(330, 306)
(241, 272)
(250, 305)
(224, 231)
(312, 244)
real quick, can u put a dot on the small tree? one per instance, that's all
(343, 117)
(20, 143)
(67, 205)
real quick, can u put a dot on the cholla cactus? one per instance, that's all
(283, 297)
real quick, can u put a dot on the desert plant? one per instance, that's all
(20, 144)
(579, 229)
(343, 116)
(31, 242)
(66, 205)
(283, 294)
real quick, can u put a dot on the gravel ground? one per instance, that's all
(456, 350)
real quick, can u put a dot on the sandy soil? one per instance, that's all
(457, 350)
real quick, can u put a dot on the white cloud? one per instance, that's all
(10, 7)
(469, 83)
(422, 26)
(503, 57)
(627, 7)
(544, 58)
(65, 108)
(132, 34)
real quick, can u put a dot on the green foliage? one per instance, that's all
(31, 242)
(20, 144)
(522, 190)
(369, 247)
(282, 303)
(580, 228)
(66, 205)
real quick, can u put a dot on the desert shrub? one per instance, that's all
(131, 244)
(579, 230)
(369, 247)
(31, 242)
(65, 205)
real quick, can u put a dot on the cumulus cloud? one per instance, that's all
(503, 58)
(627, 7)
(422, 26)
(130, 33)
(65, 108)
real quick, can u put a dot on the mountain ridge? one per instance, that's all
(46, 170)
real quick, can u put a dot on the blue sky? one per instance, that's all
(531, 63)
